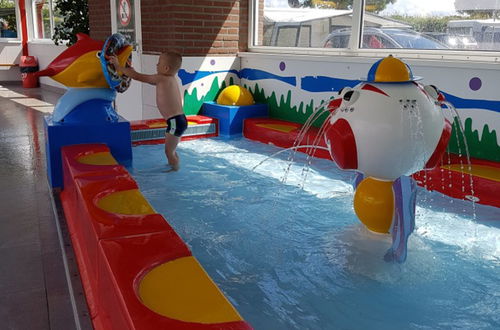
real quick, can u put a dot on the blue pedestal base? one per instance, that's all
(231, 117)
(115, 134)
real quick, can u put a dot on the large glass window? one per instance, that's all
(8, 19)
(430, 24)
(46, 17)
(387, 24)
(301, 23)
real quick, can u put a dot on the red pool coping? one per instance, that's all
(114, 250)
(283, 134)
(453, 169)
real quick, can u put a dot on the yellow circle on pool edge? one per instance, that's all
(482, 171)
(374, 204)
(98, 158)
(278, 127)
(160, 124)
(182, 290)
(128, 202)
(235, 95)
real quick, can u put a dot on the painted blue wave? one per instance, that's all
(326, 84)
(250, 74)
(461, 103)
(188, 77)
(253, 74)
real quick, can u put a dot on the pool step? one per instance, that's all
(153, 131)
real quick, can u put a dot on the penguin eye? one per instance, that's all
(348, 95)
(432, 90)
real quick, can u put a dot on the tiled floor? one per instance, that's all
(34, 291)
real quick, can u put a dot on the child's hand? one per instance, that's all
(114, 60)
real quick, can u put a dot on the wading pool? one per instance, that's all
(293, 255)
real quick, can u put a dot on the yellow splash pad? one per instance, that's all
(129, 202)
(98, 158)
(182, 290)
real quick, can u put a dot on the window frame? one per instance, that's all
(35, 22)
(355, 48)
(18, 25)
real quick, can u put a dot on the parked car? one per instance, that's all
(454, 41)
(384, 38)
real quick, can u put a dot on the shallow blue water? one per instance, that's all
(292, 255)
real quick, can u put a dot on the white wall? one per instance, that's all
(46, 52)
(218, 66)
(10, 53)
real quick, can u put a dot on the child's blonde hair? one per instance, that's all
(174, 59)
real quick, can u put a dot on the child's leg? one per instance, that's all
(171, 142)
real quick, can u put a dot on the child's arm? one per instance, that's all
(152, 79)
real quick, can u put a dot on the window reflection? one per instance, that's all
(388, 24)
(8, 19)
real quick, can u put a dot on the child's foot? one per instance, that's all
(173, 168)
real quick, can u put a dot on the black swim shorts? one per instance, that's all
(177, 125)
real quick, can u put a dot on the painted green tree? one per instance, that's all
(283, 109)
(193, 104)
(484, 147)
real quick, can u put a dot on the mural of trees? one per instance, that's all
(484, 146)
(193, 102)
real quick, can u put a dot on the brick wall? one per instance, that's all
(192, 27)
(195, 27)
(99, 19)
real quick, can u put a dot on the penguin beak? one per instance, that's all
(124, 54)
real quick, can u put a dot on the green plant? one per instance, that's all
(426, 24)
(11, 22)
(9, 14)
(7, 4)
(75, 19)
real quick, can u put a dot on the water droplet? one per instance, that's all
(472, 198)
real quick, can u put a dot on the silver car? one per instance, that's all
(374, 38)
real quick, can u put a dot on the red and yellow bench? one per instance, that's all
(136, 271)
